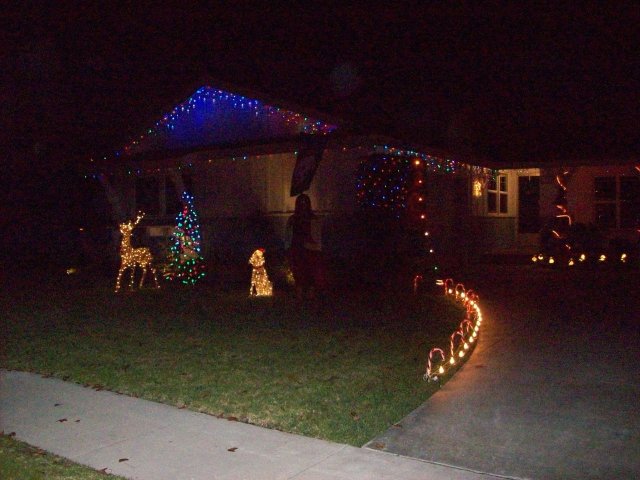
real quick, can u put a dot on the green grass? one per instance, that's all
(343, 367)
(19, 461)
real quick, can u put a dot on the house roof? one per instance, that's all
(223, 116)
(229, 118)
(593, 161)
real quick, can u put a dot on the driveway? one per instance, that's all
(553, 387)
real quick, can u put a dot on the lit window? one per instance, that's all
(497, 195)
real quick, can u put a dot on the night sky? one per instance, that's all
(504, 84)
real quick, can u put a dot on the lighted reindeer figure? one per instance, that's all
(130, 257)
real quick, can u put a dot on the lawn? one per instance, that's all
(19, 461)
(343, 367)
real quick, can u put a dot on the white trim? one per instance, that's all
(499, 193)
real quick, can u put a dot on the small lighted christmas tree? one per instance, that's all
(187, 264)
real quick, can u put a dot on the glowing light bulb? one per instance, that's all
(477, 188)
(582, 258)
(623, 257)
(131, 258)
(551, 260)
(461, 353)
(441, 370)
(602, 258)
(534, 259)
(452, 361)
(571, 262)
(466, 346)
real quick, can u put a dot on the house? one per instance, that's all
(519, 207)
(236, 153)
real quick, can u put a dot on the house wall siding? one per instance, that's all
(244, 202)
(493, 234)
(580, 190)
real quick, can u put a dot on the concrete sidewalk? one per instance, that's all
(139, 439)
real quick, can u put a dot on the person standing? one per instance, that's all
(303, 244)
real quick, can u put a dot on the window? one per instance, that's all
(629, 202)
(617, 202)
(497, 195)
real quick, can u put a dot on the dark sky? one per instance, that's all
(508, 84)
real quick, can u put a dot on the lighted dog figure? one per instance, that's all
(260, 284)
(130, 257)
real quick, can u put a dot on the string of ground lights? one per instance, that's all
(462, 339)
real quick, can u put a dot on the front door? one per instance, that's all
(528, 210)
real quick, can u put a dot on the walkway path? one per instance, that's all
(552, 389)
(146, 440)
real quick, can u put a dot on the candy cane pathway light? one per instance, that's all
(461, 340)
(432, 372)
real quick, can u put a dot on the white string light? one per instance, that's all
(130, 257)
(260, 284)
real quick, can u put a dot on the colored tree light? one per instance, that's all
(384, 181)
(187, 264)
(260, 284)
